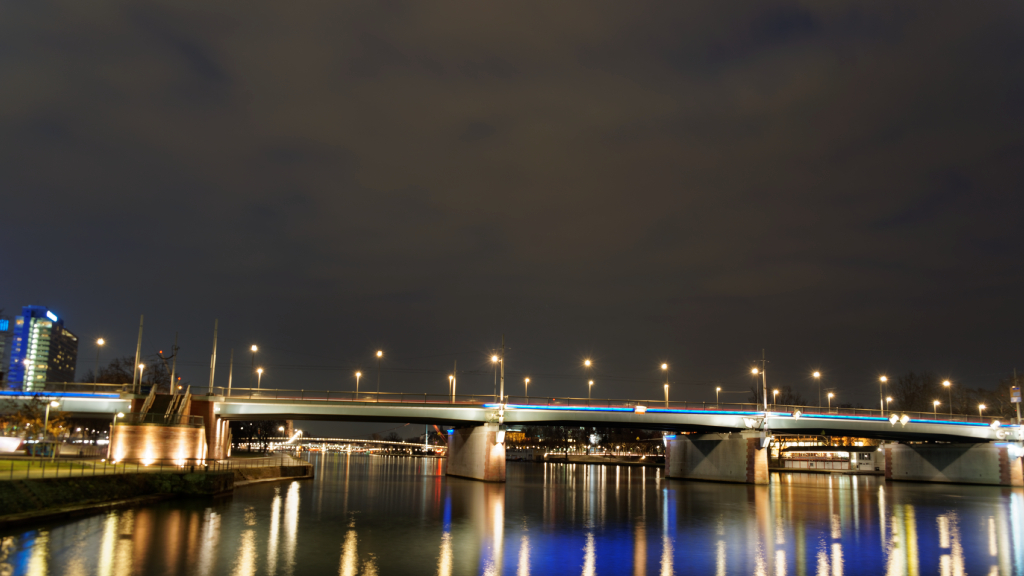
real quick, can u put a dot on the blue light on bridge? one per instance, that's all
(18, 393)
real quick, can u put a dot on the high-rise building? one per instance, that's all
(6, 326)
(42, 350)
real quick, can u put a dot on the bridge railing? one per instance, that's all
(85, 387)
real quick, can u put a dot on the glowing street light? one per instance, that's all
(882, 380)
(950, 389)
(526, 388)
(99, 345)
(141, 368)
(887, 400)
(717, 390)
(817, 376)
(380, 354)
(935, 407)
(590, 386)
(358, 376)
(980, 408)
(495, 360)
(830, 395)
(775, 394)
(252, 368)
(259, 377)
(666, 395)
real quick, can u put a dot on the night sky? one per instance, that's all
(838, 183)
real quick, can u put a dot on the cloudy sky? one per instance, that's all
(837, 183)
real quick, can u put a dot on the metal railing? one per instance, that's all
(135, 418)
(37, 468)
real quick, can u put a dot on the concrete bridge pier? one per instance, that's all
(736, 457)
(477, 452)
(992, 463)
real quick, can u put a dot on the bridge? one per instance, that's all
(696, 430)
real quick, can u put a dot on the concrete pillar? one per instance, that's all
(477, 453)
(736, 457)
(214, 437)
(996, 464)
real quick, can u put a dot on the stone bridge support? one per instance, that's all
(736, 457)
(996, 464)
(477, 452)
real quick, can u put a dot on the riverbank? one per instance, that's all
(38, 499)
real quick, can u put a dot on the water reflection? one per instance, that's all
(384, 515)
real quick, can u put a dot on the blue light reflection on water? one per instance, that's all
(386, 515)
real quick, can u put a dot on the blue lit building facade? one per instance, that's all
(42, 350)
(6, 326)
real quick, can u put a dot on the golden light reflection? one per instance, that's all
(589, 556)
(444, 560)
(37, 562)
(275, 527)
(210, 529)
(291, 526)
(524, 557)
(720, 558)
(245, 564)
(349, 557)
(639, 549)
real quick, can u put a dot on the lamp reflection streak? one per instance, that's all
(291, 526)
(275, 526)
(349, 557)
(524, 557)
(245, 565)
(590, 556)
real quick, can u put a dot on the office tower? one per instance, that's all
(42, 350)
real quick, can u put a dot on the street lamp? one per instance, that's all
(775, 393)
(887, 400)
(252, 368)
(46, 418)
(881, 402)
(494, 360)
(141, 368)
(717, 390)
(980, 408)
(259, 377)
(99, 344)
(935, 407)
(950, 389)
(526, 389)
(666, 395)
(590, 386)
(830, 395)
(380, 354)
(817, 376)
(358, 375)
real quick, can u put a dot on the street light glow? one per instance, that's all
(883, 379)
(101, 342)
(380, 353)
(586, 363)
(259, 370)
(831, 395)
(753, 371)
(817, 374)
(358, 374)
(664, 366)
(54, 403)
(946, 383)
(494, 358)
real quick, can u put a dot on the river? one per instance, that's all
(391, 515)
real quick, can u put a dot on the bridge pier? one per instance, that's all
(995, 464)
(735, 457)
(477, 452)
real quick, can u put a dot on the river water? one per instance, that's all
(390, 515)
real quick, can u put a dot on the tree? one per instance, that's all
(24, 419)
(122, 371)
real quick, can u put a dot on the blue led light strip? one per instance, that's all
(18, 393)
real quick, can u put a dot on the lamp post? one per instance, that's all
(495, 360)
(980, 408)
(252, 368)
(830, 395)
(764, 385)
(358, 375)
(590, 385)
(526, 389)
(664, 368)
(887, 400)
(881, 397)
(259, 377)
(46, 418)
(949, 388)
(141, 368)
(666, 395)
(380, 354)
(99, 345)
(451, 378)
(817, 376)
(717, 390)
(935, 407)
(586, 371)
(775, 394)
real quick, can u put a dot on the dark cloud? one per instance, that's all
(837, 183)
